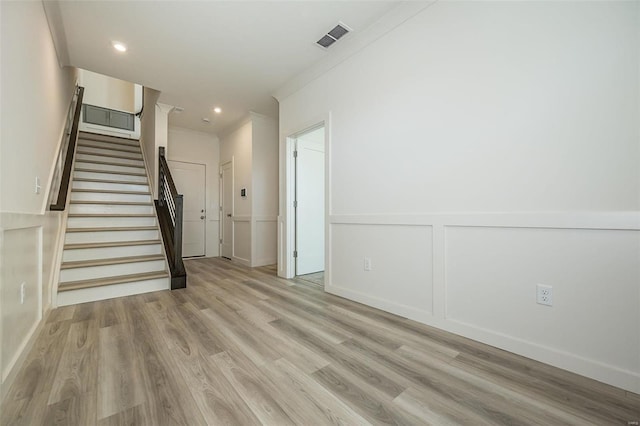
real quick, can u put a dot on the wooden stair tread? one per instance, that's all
(114, 228)
(119, 148)
(100, 154)
(107, 163)
(111, 261)
(119, 279)
(111, 172)
(77, 246)
(124, 182)
(117, 203)
(111, 215)
(110, 191)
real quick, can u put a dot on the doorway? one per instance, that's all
(226, 210)
(309, 205)
(190, 181)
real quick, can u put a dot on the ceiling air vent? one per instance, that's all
(334, 35)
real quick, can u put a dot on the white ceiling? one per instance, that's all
(231, 54)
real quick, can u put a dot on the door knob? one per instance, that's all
(201, 217)
(201, 211)
(228, 214)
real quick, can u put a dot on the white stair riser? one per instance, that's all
(110, 176)
(108, 145)
(81, 157)
(108, 167)
(73, 297)
(108, 139)
(105, 196)
(110, 252)
(110, 236)
(108, 222)
(104, 271)
(142, 187)
(106, 151)
(110, 209)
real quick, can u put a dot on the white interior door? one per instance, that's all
(190, 182)
(310, 202)
(226, 204)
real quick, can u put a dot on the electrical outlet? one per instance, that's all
(367, 264)
(22, 290)
(544, 294)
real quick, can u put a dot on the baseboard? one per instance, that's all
(604, 373)
(241, 261)
(265, 261)
(23, 352)
(382, 304)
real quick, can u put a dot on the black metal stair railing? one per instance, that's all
(169, 209)
(62, 175)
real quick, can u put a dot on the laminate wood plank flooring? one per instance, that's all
(240, 346)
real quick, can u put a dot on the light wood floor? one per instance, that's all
(242, 347)
(315, 278)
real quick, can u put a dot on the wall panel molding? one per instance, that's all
(624, 220)
(583, 240)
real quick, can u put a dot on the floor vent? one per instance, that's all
(334, 35)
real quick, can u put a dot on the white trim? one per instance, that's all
(14, 365)
(612, 220)
(242, 261)
(246, 118)
(357, 40)
(623, 221)
(241, 218)
(221, 204)
(286, 219)
(567, 361)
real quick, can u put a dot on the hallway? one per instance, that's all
(241, 346)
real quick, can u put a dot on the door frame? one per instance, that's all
(286, 219)
(220, 210)
(205, 202)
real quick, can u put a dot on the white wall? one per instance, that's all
(107, 92)
(253, 148)
(265, 190)
(154, 134)
(479, 149)
(197, 147)
(34, 88)
(148, 136)
(237, 146)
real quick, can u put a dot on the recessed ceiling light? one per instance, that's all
(217, 110)
(120, 47)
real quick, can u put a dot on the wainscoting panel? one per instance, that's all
(265, 241)
(475, 274)
(491, 277)
(21, 251)
(242, 240)
(401, 265)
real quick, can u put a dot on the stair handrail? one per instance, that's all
(67, 152)
(169, 206)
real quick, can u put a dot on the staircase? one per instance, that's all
(112, 245)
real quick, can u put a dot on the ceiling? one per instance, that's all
(201, 54)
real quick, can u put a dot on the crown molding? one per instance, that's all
(352, 44)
